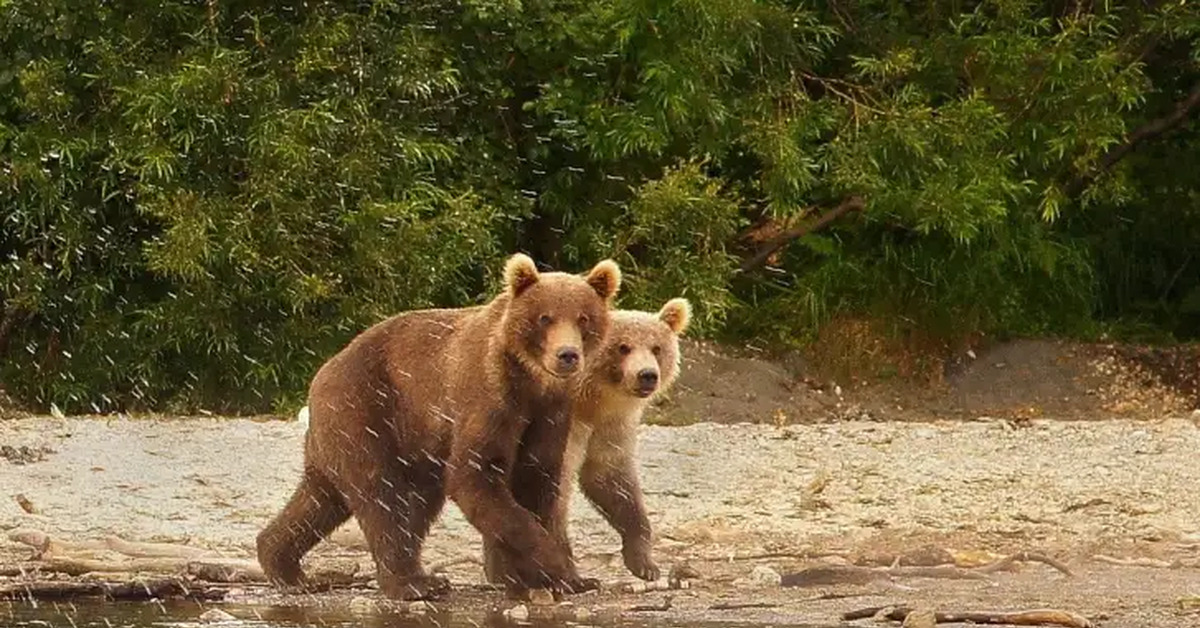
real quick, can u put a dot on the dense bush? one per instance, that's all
(202, 200)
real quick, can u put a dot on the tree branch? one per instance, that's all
(1150, 130)
(760, 257)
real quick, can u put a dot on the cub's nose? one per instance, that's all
(568, 359)
(647, 379)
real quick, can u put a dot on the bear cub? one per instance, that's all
(639, 361)
(469, 403)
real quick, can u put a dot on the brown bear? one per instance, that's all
(470, 403)
(639, 361)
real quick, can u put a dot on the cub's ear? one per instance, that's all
(520, 273)
(605, 279)
(676, 314)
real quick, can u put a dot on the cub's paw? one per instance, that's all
(639, 562)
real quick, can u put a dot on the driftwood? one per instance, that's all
(213, 570)
(97, 557)
(664, 606)
(1036, 617)
(131, 590)
(227, 570)
(1137, 562)
(853, 574)
(156, 550)
(798, 554)
(46, 546)
(733, 606)
(1026, 557)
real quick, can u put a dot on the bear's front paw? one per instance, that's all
(639, 562)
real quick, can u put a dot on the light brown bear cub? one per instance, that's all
(470, 403)
(640, 360)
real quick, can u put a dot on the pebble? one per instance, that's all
(541, 597)
(520, 612)
(215, 616)
(362, 604)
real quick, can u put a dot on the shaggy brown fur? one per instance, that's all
(640, 361)
(469, 403)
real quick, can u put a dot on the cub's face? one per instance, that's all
(641, 355)
(556, 320)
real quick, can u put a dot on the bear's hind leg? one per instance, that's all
(314, 510)
(495, 568)
(395, 516)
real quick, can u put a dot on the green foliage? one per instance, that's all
(674, 238)
(202, 201)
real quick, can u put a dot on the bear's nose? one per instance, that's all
(568, 359)
(647, 378)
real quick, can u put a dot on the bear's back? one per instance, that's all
(394, 376)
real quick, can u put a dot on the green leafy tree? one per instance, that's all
(202, 201)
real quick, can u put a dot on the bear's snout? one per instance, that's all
(568, 360)
(647, 380)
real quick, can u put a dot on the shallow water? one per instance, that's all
(187, 615)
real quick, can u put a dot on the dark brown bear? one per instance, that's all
(639, 362)
(472, 403)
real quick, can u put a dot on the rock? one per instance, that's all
(682, 571)
(420, 607)
(215, 616)
(920, 617)
(765, 576)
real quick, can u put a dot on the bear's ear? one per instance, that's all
(605, 278)
(520, 273)
(676, 314)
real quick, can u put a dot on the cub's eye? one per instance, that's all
(545, 319)
(584, 319)
(624, 349)
(656, 349)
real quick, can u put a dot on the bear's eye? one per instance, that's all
(584, 319)
(624, 349)
(656, 349)
(545, 319)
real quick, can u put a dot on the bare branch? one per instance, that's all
(1151, 130)
(851, 204)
